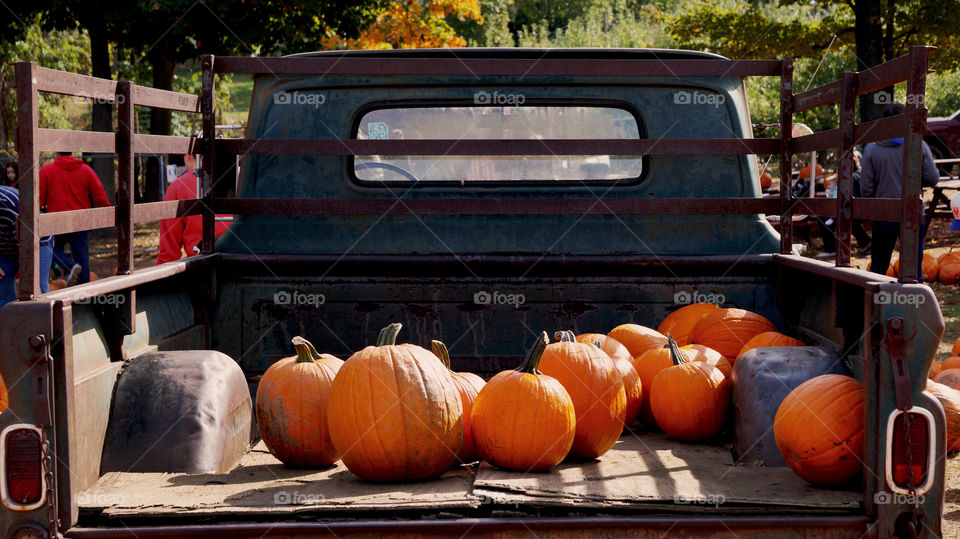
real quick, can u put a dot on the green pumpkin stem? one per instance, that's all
(388, 335)
(675, 352)
(440, 350)
(532, 361)
(304, 350)
(313, 351)
(565, 336)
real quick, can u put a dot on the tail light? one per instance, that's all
(22, 484)
(915, 459)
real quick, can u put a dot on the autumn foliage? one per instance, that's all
(412, 24)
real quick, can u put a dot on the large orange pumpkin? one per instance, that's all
(766, 180)
(690, 399)
(624, 364)
(395, 412)
(952, 362)
(769, 339)
(935, 369)
(468, 386)
(949, 273)
(4, 398)
(611, 346)
(819, 429)
(709, 356)
(950, 400)
(955, 351)
(680, 323)
(523, 420)
(648, 365)
(638, 339)
(894, 269)
(596, 388)
(949, 378)
(805, 172)
(292, 400)
(930, 268)
(57, 284)
(727, 330)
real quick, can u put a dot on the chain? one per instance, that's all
(47, 466)
(47, 447)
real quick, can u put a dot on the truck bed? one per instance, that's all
(644, 472)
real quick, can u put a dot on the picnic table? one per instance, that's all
(951, 183)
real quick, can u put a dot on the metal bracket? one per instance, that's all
(893, 339)
(41, 361)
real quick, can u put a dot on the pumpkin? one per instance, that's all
(648, 365)
(952, 362)
(624, 364)
(929, 268)
(935, 369)
(690, 399)
(727, 330)
(949, 273)
(395, 412)
(949, 258)
(819, 429)
(955, 351)
(950, 400)
(949, 378)
(766, 180)
(596, 388)
(292, 400)
(680, 323)
(58, 284)
(94, 276)
(769, 339)
(4, 398)
(611, 346)
(468, 386)
(894, 269)
(805, 172)
(522, 419)
(708, 356)
(638, 339)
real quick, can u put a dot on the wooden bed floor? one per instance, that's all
(644, 471)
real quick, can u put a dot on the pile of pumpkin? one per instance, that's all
(945, 268)
(397, 412)
(943, 381)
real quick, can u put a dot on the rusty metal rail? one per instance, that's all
(125, 142)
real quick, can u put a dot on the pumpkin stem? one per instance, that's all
(388, 335)
(532, 361)
(304, 350)
(675, 352)
(565, 336)
(313, 351)
(440, 350)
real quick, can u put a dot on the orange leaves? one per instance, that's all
(412, 24)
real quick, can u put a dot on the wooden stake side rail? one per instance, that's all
(126, 143)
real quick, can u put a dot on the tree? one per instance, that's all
(413, 24)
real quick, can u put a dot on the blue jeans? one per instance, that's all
(9, 265)
(78, 253)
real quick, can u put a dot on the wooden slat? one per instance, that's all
(815, 97)
(476, 67)
(28, 155)
(882, 129)
(65, 140)
(65, 222)
(498, 206)
(824, 140)
(152, 97)
(163, 144)
(167, 209)
(883, 75)
(500, 147)
(62, 82)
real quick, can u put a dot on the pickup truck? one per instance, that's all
(477, 196)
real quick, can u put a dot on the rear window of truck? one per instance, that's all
(534, 121)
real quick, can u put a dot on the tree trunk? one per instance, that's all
(869, 38)
(102, 112)
(162, 79)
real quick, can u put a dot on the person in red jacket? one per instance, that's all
(184, 233)
(69, 184)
